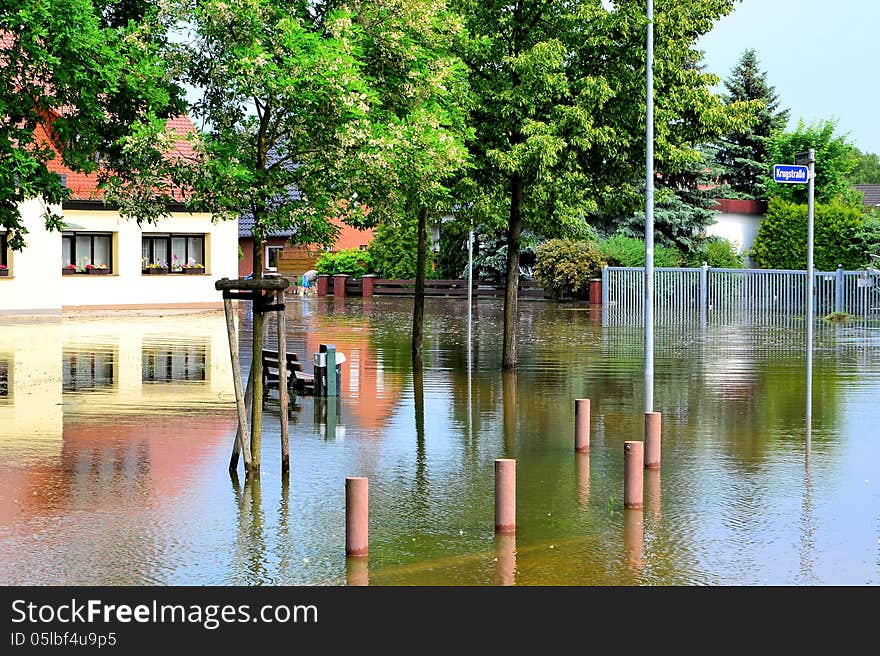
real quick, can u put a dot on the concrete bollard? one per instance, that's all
(323, 284)
(652, 440)
(339, 285)
(368, 284)
(505, 495)
(505, 559)
(582, 425)
(357, 516)
(633, 474)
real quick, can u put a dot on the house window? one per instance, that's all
(4, 245)
(173, 252)
(84, 250)
(5, 379)
(163, 364)
(87, 371)
(363, 247)
(273, 254)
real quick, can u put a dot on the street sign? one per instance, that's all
(791, 173)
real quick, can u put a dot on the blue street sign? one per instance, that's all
(790, 173)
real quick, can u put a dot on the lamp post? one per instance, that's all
(649, 206)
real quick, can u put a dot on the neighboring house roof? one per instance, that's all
(870, 194)
(246, 224)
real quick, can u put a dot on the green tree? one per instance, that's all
(418, 120)
(835, 163)
(560, 111)
(84, 86)
(867, 168)
(742, 154)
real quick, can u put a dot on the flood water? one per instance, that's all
(115, 434)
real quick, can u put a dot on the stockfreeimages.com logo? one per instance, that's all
(210, 616)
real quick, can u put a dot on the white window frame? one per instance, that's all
(266, 266)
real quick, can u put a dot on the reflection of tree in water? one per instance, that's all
(249, 560)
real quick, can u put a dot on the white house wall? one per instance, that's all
(34, 274)
(739, 229)
(38, 287)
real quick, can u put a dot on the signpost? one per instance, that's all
(800, 174)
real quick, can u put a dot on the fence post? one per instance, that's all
(838, 289)
(704, 292)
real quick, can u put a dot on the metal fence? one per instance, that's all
(736, 295)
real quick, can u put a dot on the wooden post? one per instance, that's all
(257, 373)
(282, 383)
(241, 436)
(240, 405)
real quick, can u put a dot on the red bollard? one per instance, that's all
(323, 284)
(368, 283)
(339, 285)
(652, 440)
(505, 559)
(505, 495)
(596, 291)
(357, 516)
(633, 474)
(582, 425)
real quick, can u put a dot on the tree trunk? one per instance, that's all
(257, 366)
(511, 283)
(419, 301)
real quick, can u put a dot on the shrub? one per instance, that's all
(564, 268)
(352, 261)
(782, 238)
(620, 250)
(716, 252)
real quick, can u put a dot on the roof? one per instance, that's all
(246, 225)
(870, 193)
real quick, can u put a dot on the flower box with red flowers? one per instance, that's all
(97, 269)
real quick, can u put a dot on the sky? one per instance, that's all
(822, 56)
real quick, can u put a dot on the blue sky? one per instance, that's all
(823, 57)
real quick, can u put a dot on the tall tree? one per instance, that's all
(417, 118)
(742, 154)
(74, 89)
(560, 112)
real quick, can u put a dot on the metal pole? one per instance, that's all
(649, 218)
(470, 294)
(811, 281)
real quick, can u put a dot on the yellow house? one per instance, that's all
(101, 260)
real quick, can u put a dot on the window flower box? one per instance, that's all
(3, 271)
(68, 270)
(193, 269)
(155, 270)
(97, 269)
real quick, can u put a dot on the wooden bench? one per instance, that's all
(297, 379)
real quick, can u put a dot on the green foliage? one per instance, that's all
(835, 163)
(88, 84)
(742, 154)
(564, 268)
(717, 252)
(490, 257)
(622, 250)
(867, 169)
(394, 249)
(868, 234)
(782, 238)
(353, 262)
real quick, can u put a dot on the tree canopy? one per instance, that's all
(742, 154)
(71, 88)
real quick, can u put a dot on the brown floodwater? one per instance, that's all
(115, 435)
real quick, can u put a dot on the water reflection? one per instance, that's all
(505, 559)
(132, 485)
(357, 571)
